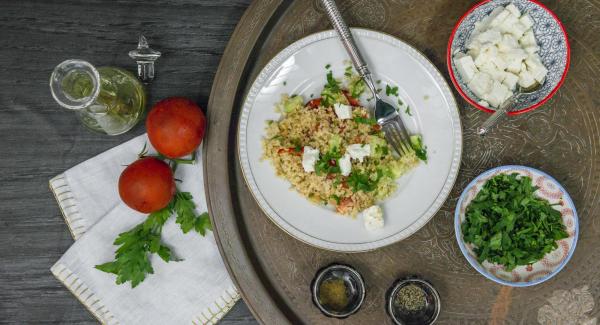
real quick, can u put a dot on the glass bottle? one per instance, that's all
(108, 100)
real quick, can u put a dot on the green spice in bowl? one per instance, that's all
(413, 301)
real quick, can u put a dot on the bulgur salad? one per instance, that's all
(333, 153)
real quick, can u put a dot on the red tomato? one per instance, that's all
(351, 100)
(175, 127)
(313, 103)
(147, 185)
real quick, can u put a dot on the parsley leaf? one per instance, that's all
(186, 215)
(407, 111)
(132, 262)
(364, 120)
(391, 90)
(362, 182)
(328, 163)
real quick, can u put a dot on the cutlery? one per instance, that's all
(386, 114)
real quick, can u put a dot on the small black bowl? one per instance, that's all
(425, 316)
(355, 288)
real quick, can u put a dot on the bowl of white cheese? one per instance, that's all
(499, 46)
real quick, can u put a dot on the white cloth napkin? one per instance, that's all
(197, 290)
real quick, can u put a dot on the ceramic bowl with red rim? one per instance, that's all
(551, 38)
(551, 263)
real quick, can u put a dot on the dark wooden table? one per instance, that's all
(39, 139)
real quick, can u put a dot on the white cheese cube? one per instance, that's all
(532, 49)
(359, 151)
(466, 67)
(518, 30)
(514, 10)
(536, 68)
(487, 51)
(500, 18)
(373, 218)
(493, 71)
(491, 36)
(485, 22)
(526, 20)
(507, 24)
(309, 158)
(343, 112)
(514, 58)
(526, 79)
(499, 62)
(483, 103)
(498, 94)
(508, 43)
(474, 45)
(345, 165)
(528, 39)
(481, 84)
(510, 81)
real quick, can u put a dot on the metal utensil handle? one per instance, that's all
(346, 36)
(497, 116)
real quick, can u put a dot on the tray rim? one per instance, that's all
(232, 71)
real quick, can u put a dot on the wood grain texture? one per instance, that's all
(562, 138)
(40, 140)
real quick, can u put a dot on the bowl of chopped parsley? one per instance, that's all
(516, 225)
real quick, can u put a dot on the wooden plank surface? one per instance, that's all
(40, 140)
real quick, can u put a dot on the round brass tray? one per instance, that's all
(273, 271)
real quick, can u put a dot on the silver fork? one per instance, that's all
(385, 114)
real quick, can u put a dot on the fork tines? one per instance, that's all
(396, 135)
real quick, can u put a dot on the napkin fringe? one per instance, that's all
(68, 205)
(221, 306)
(84, 294)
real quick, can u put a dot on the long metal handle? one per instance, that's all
(499, 115)
(335, 17)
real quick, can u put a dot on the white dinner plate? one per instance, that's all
(300, 69)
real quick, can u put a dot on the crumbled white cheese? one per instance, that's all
(343, 112)
(373, 218)
(345, 164)
(309, 158)
(359, 151)
(502, 52)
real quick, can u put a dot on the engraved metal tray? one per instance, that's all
(273, 271)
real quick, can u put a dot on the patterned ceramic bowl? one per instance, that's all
(549, 33)
(553, 262)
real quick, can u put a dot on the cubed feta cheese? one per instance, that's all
(481, 84)
(499, 62)
(514, 59)
(491, 36)
(359, 151)
(493, 71)
(514, 10)
(507, 24)
(466, 67)
(483, 103)
(510, 80)
(536, 68)
(528, 39)
(373, 218)
(532, 49)
(485, 22)
(518, 30)
(500, 18)
(345, 165)
(526, 20)
(498, 94)
(343, 112)
(508, 43)
(485, 53)
(309, 158)
(526, 79)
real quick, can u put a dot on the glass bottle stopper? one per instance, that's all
(145, 57)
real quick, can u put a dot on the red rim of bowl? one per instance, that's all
(485, 109)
